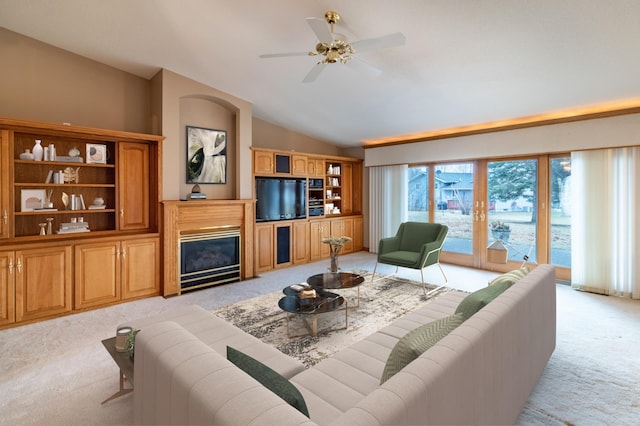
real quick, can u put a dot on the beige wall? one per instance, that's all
(267, 135)
(43, 83)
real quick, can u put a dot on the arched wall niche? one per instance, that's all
(210, 113)
(179, 101)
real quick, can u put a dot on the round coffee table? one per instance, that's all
(310, 308)
(336, 281)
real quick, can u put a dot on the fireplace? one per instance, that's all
(209, 258)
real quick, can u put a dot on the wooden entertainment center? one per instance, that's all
(334, 186)
(49, 264)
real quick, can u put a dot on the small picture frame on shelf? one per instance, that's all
(32, 199)
(96, 153)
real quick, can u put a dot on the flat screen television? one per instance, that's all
(280, 199)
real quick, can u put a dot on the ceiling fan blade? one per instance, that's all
(389, 40)
(283, 55)
(314, 73)
(363, 67)
(320, 29)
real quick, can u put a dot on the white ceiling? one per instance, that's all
(464, 61)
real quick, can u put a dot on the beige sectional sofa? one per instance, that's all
(480, 373)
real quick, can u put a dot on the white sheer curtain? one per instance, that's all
(388, 204)
(605, 231)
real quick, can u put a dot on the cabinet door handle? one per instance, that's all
(118, 254)
(19, 265)
(10, 266)
(121, 212)
(124, 253)
(5, 217)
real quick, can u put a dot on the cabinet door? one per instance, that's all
(343, 228)
(319, 229)
(97, 274)
(262, 163)
(264, 247)
(300, 242)
(347, 180)
(4, 184)
(7, 288)
(133, 186)
(43, 282)
(299, 164)
(357, 234)
(319, 168)
(140, 260)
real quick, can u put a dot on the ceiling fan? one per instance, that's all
(334, 48)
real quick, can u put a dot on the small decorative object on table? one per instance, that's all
(335, 245)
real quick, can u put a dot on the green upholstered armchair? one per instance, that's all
(416, 245)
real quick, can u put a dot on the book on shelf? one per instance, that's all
(45, 209)
(72, 231)
(94, 207)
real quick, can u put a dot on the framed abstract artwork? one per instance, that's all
(206, 155)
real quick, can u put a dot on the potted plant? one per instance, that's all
(500, 230)
(335, 245)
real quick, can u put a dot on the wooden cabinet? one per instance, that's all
(358, 232)
(319, 229)
(301, 245)
(274, 245)
(299, 165)
(343, 227)
(4, 185)
(134, 183)
(109, 271)
(97, 274)
(43, 282)
(140, 281)
(263, 236)
(122, 169)
(334, 206)
(7, 288)
(263, 162)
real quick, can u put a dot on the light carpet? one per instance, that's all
(381, 302)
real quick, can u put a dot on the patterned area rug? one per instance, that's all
(381, 302)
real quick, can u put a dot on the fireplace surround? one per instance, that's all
(203, 217)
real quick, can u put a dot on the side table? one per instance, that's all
(125, 364)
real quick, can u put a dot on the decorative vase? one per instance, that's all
(37, 151)
(333, 266)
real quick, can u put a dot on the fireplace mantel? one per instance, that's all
(194, 215)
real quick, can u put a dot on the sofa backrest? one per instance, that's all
(413, 235)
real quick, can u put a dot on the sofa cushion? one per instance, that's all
(511, 276)
(268, 378)
(416, 342)
(480, 298)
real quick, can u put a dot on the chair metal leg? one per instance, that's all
(424, 286)
(443, 274)
(374, 271)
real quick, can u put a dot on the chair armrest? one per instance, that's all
(389, 244)
(430, 253)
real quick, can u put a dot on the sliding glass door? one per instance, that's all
(520, 203)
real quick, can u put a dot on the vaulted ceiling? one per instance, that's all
(464, 61)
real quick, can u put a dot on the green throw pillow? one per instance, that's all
(416, 342)
(480, 298)
(511, 276)
(269, 379)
